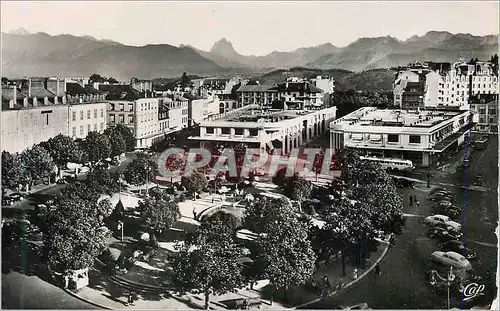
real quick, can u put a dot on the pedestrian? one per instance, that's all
(377, 270)
(411, 200)
(194, 213)
(355, 273)
(315, 287)
(130, 300)
(245, 305)
(418, 203)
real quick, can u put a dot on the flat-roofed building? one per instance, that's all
(420, 136)
(266, 129)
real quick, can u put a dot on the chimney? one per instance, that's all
(56, 100)
(35, 101)
(25, 102)
(29, 87)
(46, 101)
(64, 100)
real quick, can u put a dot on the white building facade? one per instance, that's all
(417, 136)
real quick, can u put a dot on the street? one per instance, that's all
(402, 283)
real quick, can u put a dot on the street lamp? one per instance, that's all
(450, 278)
(120, 227)
(431, 153)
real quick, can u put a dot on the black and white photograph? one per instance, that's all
(223, 155)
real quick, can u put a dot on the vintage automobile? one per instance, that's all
(442, 219)
(458, 247)
(443, 235)
(451, 259)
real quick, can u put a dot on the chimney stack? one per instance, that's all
(14, 96)
(35, 101)
(25, 102)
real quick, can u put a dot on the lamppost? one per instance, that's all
(431, 154)
(450, 278)
(120, 227)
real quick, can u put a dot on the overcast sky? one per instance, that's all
(253, 27)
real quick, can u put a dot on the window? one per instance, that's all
(254, 132)
(95, 127)
(482, 110)
(122, 118)
(74, 131)
(81, 130)
(149, 106)
(102, 113)
(131, 119)
(238, 131)
(481, 120)
(102, 126)
(74, 115)
(392, 138)
(88, 128)
(414, 139)
(88, 114)
(130, 107)
(95, 113)
(492, 120)
(122, 107)
(492, 111)
(210, 130)
(225, 131)
(112, 107)
(81, 114)
(112, 118)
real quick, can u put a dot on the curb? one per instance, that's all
(86, 300)
(332, 294)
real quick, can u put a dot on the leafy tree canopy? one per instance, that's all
(159, 215)
(38, 162)
(97, 147)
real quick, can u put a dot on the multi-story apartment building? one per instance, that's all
(203, 109)
(326, 84)
(486, 107)
(443, 85)
(295, 93)
(87, 110)
(261, 95)
(37, 109)
(420, 136)
(136, 110)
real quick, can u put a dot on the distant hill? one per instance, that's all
(25, 54)
(385, 52)
(66, 55)
(370, 80)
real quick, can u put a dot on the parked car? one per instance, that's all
(443, 235)
(437, 189)
(446, 227)
(16, 196)
(452, 211)
(451, 259)
(442, 219)
(441, 195)
(458, 247)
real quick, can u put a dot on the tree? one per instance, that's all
(75, 234)
(61, 148)
(297, 188)
(38, 163)
(185, 81)
(112, 80)
(140, 171)
(494, 62)
(284, 255)
(14, 173)
(279, 178)
(229, 220)
(127, 135)
(97, 147)
(264, 211)
(100, 180)
(195, 182)
(97, 78)
(116, 140)
(208, 263)
(159, 215)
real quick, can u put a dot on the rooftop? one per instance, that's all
(121, 92)
(370, 116)
(258, 88)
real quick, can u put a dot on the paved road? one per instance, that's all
(402, 283)
(29, 292)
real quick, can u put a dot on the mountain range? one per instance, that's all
(40, 54)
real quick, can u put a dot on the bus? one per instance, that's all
(392, 164)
